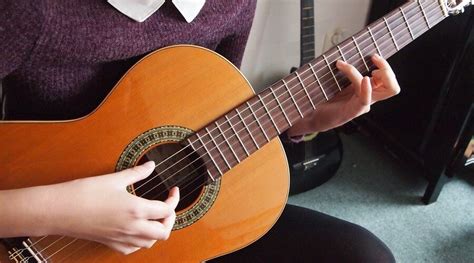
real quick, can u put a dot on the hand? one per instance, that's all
(100, 209)
(354, 100)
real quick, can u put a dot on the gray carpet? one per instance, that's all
(380, 193)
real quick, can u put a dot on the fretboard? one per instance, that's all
(242, 131)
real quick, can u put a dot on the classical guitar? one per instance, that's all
(194, 113)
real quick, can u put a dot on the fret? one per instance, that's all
(424, 14)
(375, 42)
(281, 107)
(317, 79)
(247, 128)
(308, 50)
(258, 121)
(305, 90)
(391, 34)
(308, 35)
(210, 156)
(408, 24)
(268, 113)
(307, 8)
(341, 53)
(237, 135)
(307, 18)
(306, 27)
(360, 53)
(217, 147)
(227, 141)
(308, 43)
(330, 69)
(292, 97)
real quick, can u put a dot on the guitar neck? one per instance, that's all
(245, 129)
(306, 31)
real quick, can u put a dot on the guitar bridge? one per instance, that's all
(22, 250)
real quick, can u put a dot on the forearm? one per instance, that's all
(27, 211)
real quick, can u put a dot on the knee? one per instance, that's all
(366, 247)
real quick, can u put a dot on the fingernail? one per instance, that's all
(340, 63)
(376, 56)
(149, 164)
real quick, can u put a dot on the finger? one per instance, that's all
(154, 230)
(157, 209)
(380, 62)
(121, 247)
(137, 173)
(168, 223)
(173, 197)
(350, 72)
(365, 92)
(138, 241)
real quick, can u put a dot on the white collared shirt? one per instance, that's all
(140, 10)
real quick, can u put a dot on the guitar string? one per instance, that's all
(276, 89)
(356, 54)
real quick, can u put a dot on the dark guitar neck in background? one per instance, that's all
(306, 31)
(242, 131)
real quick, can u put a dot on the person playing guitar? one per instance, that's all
(59, 60)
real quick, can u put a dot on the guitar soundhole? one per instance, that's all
(176, 166)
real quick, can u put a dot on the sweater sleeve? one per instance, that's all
(20, 26)
(233, 46)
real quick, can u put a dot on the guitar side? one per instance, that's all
(185, 86)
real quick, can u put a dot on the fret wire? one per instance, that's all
(341, 53)
(210, 156)
(310, 26)
(281, 107)
(375, 42)
(424, 14)
(330, 69)
(292, 98)
(268, 113)
(218, 149)
(361, 56)
(258, 121)
(408, 25)
(305, 90)
(391, 34)
(317, 79)
(309, 17)
(237, 135)
(308, 50)
(228, 143)
(308, 35)
(308, 43)
(247, 128)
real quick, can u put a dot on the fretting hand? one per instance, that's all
(354, 100)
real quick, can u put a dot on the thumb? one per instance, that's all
(365, 92)
(137, 173)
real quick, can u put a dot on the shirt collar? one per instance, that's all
(140, 10)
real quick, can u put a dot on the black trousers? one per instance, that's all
(304, 235)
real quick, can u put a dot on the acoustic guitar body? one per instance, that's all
(173, 90)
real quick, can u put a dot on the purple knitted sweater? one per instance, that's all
(60, 58)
